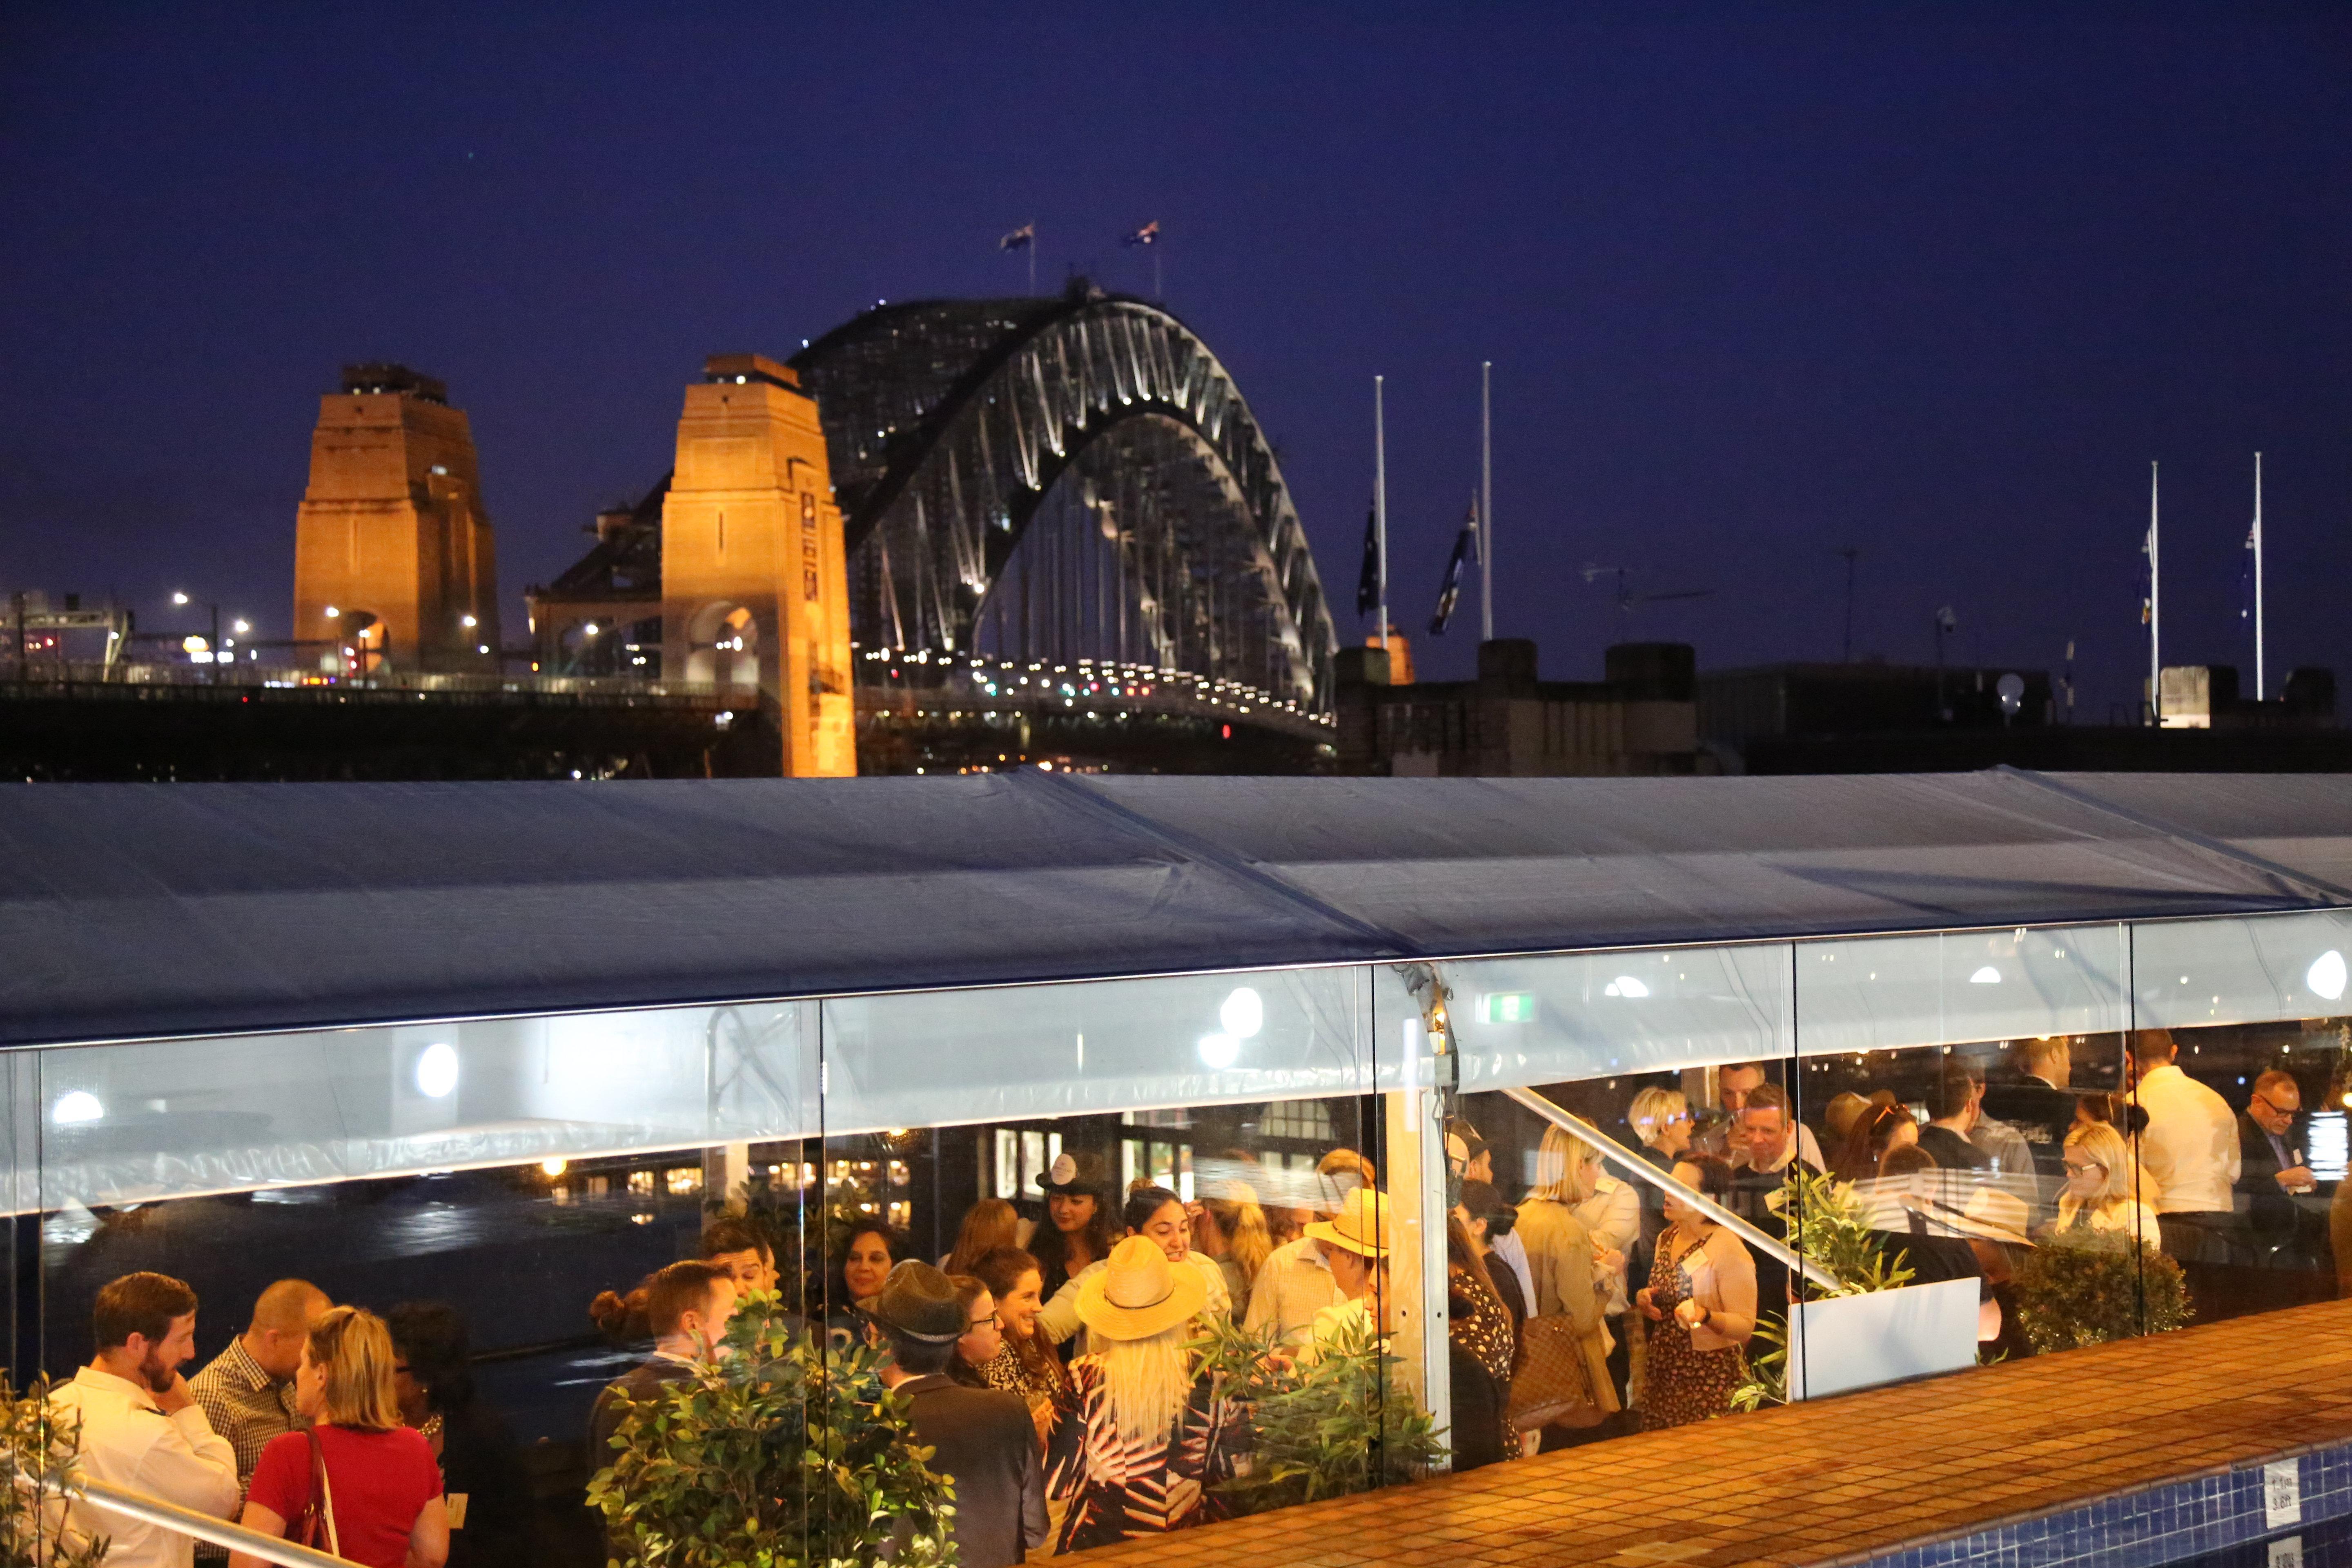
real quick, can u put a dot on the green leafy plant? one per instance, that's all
(781, 1456)
(42, 1453)
(1828, 1226)
(2086, 1289)
(1343, 1423)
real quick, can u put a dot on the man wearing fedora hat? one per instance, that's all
(1355, 1246)
(1295, 1282)
(1154, 1435)
(983, 1438)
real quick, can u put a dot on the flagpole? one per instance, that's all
(1487, 501)
(1031, 248)
(2155, 612)
(1380, 501)
(2260, 690)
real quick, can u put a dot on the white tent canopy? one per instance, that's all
(145, 911)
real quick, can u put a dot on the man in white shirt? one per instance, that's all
(140, 1429)
(1295, 1282)
(2191, 1147)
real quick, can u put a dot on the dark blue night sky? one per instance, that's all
(1758, 282)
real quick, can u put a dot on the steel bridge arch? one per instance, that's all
(950, 422)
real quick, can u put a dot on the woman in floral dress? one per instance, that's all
(1700, 1305)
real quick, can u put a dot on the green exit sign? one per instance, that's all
(1506, 1007)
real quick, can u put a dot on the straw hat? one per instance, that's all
(1362, 1226)
(1138, 1292)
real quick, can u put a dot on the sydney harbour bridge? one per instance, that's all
(1068, 536)
(1067, 542)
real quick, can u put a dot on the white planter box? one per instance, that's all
(1860, 1341)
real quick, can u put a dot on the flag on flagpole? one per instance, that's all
(2246, 559)
(1020, 238)
(1465, 543)
(1367, 581)
(1147, 234)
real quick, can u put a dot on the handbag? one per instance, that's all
(317, 1515)
(1551, 1384)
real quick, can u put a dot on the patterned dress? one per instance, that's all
(1683, 1383)
(1116, 1490)
(1480, 1324)
(1053, 1404)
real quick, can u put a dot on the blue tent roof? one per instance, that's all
(130, 911)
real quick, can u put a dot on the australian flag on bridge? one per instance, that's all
(1465, 543)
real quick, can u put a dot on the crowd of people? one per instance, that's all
(1045, 1357)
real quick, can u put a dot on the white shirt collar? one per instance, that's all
(120, 1387)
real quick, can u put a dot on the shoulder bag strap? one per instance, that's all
(322, 1492)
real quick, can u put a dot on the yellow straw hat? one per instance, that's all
(1362, 1226)
(1138, 1292)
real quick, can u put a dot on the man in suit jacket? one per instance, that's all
(2040, 1103)
(984, 1440)
(688, 1305)
(2273, 1171)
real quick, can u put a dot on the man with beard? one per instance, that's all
(140, 1428)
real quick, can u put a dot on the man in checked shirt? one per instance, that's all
(247, 1390)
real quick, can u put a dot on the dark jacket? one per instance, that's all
(639, 1383)
(2042, 1114)
(1951, 1150)
(986, 1444)
(480, 1462)
(2270, 1211)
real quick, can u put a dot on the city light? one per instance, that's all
(240, 628)
(468, 621)
(179, 598)
(332, 612)
(555, 1167)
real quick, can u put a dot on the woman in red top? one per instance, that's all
(382, 1481)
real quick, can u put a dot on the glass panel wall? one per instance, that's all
(2239, 1076)
(1345, 1165)
(1630, 1311)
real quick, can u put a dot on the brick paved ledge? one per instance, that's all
(2136, 1453)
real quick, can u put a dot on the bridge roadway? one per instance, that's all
(251, 721)
(924, 711)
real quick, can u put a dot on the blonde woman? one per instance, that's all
(1229, 1226)
(1154, 1435)
(1564, 1257)
(380, 1490)
(2098, 1192)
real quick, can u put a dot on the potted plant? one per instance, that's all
(1828, 1226)
(1342, 1422)
(782, 1454)
(2087, 1287)
(43, 1459)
